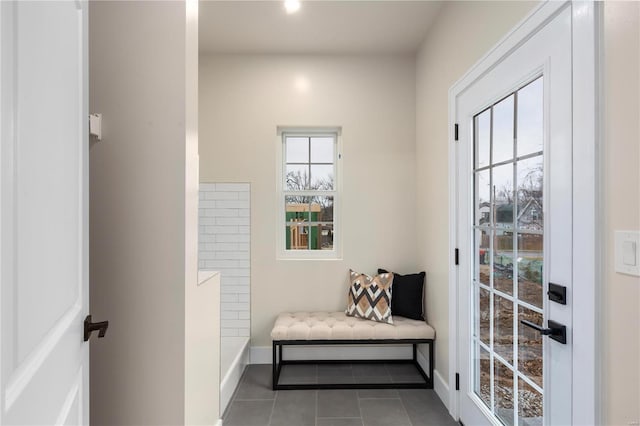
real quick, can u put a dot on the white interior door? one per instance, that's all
(515, 233)
(43, 229)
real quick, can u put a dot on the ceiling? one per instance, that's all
(319, 27)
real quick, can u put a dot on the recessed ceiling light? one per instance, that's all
(292, 6)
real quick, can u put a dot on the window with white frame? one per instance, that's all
(309, 195)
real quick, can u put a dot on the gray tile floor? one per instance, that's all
(255, 404)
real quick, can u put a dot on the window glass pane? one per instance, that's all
(503, 196)
(483, 135)
(297, 177)
(322, 209)
(503, 327)
(321, 237)
(297, 216)
(297, 208)
(503, 392)
(530, 262)
(483, 206)
(297, 237)
(530, 187)
(530, 346)
(322, 177)
(484, 315)
(483, 242)
(503, 261)
(322, 150)
(297, 150)
(529, 405)
(530, 118)
(483, 375)
(503, 130)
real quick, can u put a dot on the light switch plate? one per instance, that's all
(627, 253)
(95, 126)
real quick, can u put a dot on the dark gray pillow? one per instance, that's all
(407, 295)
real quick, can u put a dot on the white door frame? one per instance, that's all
(586, 59)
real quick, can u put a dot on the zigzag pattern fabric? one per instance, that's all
(370, 297)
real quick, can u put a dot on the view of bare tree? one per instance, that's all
(301, 181)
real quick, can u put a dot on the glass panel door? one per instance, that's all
(508, 269)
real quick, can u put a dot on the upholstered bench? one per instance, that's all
(336, 328)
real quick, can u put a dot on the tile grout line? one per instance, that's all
(405, 411)
(360, 408)
(251, 399)
(380, 398)
(339, 417)
(273, 407)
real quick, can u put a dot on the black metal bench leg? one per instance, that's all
(432, 362)
(274, 368)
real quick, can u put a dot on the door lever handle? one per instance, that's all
(90, 327)
(556, 331)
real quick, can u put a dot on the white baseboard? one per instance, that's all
(441, 388)
(218, 423)
(231, 379)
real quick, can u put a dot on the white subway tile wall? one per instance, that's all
(224, 245)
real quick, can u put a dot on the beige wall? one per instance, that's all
(621, 194)
(202, 296)
(242, 101)
(460, 36)
(137, 212)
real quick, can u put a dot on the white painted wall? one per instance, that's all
(621, 193)
(224, 246)
(242, 101)
(459, 37)
(143, 209)
(202, 291)
(202, 346)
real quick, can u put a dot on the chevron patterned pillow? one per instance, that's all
(370, 297)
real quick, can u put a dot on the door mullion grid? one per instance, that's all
(504, 162)
(491, 258)
(517, 374)
(505, 296)
(514, 262)
(309, 205)
(484, 346)
(530, 382)
(530, 307)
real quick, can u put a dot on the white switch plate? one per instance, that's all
(95, 126)
(627, 253)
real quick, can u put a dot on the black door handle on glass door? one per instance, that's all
(556, 331)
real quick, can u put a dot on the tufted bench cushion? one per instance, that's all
(339, 326)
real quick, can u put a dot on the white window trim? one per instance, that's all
(281, 252)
